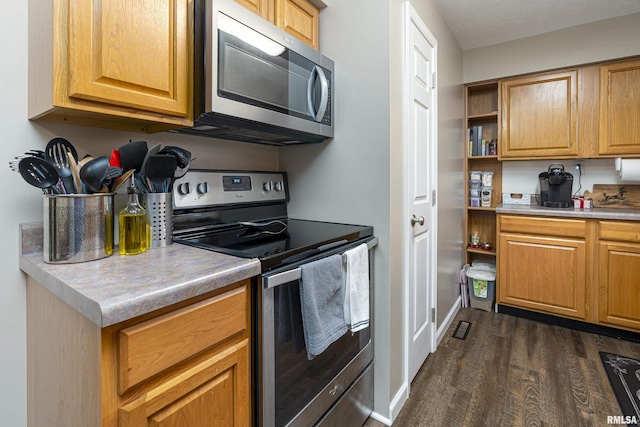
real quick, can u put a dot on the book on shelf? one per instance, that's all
(476, 143)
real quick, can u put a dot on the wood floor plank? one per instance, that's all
(512, 371)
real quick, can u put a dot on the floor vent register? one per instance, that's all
(462, 330)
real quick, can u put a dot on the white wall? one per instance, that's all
(522, 176)
(598, 41)
(22, 203)
(347, 178)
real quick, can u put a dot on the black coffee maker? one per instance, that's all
(555, 187)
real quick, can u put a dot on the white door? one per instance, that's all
(421, 174)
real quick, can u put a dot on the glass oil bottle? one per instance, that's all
(132, 222)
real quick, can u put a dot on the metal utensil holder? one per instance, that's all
(159, 211)
(77, 227)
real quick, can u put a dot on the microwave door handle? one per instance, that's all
(324, 99)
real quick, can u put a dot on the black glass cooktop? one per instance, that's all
(278, 243)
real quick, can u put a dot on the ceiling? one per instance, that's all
(478, 23)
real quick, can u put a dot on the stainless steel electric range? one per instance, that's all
(244, 213)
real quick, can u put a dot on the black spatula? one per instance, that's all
(159, 171)
(132, 155)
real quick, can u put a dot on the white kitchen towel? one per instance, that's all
(322, 303)
(356, 292)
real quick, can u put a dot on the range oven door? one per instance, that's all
(292, 390)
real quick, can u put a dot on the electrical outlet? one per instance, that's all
(579, 167)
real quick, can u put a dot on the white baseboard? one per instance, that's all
(448, 320)
(394, 407)
(398, 401)
(380, 418)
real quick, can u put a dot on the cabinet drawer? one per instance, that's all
(619, 231)
(157, 344)
(543, 226)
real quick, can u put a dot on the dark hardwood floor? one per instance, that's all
(513, 372)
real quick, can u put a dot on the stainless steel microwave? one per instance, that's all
(253, 82)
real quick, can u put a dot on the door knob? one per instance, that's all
(415, 220)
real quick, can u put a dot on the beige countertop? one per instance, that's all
(596, 213)
(118, 288)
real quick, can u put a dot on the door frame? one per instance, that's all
(411, 17)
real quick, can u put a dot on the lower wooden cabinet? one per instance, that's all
(584, 269)
(554, 276)
(542, 265)
(619, 274)
(213, 393)
(186, 365)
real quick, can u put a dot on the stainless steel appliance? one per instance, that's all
(245, 214)
(256, 83)
(555, 187)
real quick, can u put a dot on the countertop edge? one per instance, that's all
(119, 297)
(594, 213)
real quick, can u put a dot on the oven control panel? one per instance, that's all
(202, 187)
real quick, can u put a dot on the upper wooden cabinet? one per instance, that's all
(539, 116)
(263, 8)
(300, 18)
(587, 112)
(91, 61)
(620, 108)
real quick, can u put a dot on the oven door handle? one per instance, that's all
(296, 273)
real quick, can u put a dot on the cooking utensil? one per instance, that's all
(182, 156)
(132, 155)
(113, 172)
(114, 160)
(152, 152)
(13, 164)
(32, 153)
(56, 153)
(39, 173)
(75, 173)
(86, 159)
(159, 172)
(121, 180)
(94, 172)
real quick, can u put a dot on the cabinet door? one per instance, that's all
(538, 116)
(133, 54)
(259, 7)
(543, 273)
(298, 18)
(215, 392)
(619, 278)
(620, 108)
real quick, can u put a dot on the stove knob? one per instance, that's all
(202, 188)
(184, 189)
(267, 186)
(279, 186)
